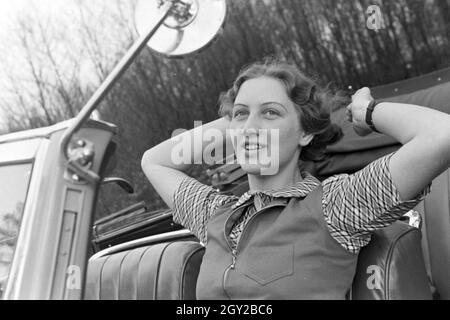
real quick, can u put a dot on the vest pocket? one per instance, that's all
(265, 265)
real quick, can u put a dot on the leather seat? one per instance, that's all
(165, 271)
(410, 250)
(391, 266)
(435, 212)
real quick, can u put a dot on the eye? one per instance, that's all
(239, 113)
(271, 113)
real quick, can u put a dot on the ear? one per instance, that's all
(305, 139)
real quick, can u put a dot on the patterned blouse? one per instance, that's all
(353, 205)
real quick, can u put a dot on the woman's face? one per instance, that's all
(266, 127)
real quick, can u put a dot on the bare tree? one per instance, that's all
(59, 64)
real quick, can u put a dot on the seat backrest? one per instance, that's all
(435, 212)
(165, 271)
(391, 266)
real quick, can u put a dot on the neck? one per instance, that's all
(287, 175)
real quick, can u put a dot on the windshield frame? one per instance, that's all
(36, 157)
(30, 162)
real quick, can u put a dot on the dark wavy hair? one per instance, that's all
(313, 103)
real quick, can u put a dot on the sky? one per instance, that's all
(11, 9)
(66, 43)
(55, 11)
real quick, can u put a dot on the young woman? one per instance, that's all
(291, 236)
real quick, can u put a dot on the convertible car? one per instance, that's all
(413, 253)
(50, 247)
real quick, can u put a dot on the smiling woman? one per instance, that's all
(312, 103)
(291, 236)
(291, 104)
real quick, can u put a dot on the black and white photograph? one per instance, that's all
(249, 150)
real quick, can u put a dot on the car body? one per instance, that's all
(53, 210)
(47, 205)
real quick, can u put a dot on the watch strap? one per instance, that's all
(369, 111)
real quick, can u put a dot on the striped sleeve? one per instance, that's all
(194, 202)
(357, 204)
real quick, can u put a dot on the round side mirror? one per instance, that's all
(190, 26)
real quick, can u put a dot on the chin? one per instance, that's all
(251, 169)
(258, 170)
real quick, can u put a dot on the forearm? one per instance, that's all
(425, 135)
(404, 122)
(423, 132)
(187, 148)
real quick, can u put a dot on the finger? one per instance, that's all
(365, 91)
(358, 91)
(349, 117)
(348, 112)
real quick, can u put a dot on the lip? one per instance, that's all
(253, 146)
(250, 153)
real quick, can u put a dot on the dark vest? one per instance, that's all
(285, 252)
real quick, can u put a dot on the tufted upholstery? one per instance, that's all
(169, 270)
(391, 266)
(435, 211)
(165, 271)
(354, 152)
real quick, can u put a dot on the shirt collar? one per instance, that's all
(299, 189)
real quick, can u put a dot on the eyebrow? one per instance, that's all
(263, 104)
(240, 105)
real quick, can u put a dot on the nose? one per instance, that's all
(252, 125)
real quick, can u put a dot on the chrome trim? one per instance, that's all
(30, 214)
(141, 242)
(19, 150)
(150, 220)
(45, 132)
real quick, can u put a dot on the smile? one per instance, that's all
(253, 146)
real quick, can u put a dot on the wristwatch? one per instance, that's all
(373, 103)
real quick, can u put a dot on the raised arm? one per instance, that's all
(163, 167)
(423, 132)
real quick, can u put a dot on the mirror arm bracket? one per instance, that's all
(103, 90)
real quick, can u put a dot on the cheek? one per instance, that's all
(290, 133)
(287, 141)
(236, 124)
